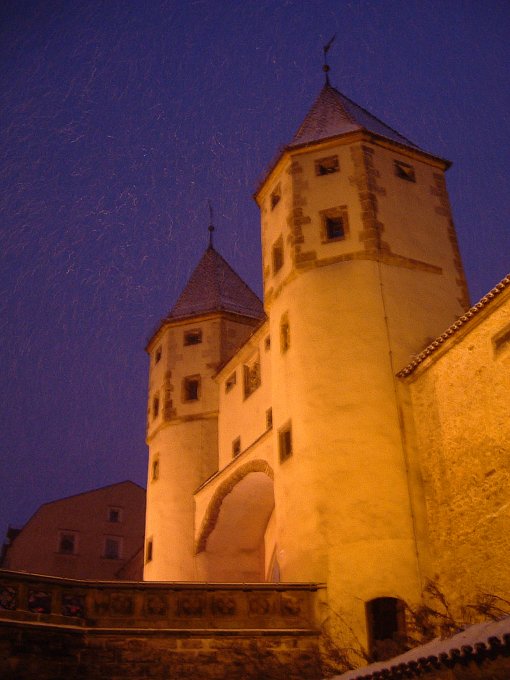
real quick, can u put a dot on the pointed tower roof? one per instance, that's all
(215, 287)
(334, 114)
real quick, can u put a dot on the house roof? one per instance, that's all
(215, 287)
(489, 639)
(334, 114)
(454, 328)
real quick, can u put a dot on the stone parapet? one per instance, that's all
(181, 606)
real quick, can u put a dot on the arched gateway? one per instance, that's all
(235, 541)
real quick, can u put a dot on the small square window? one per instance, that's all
(277, 255)
(112, 548)
(67, 543)
(236, 447)
(191, 388)
(230, 381)
(326, 166)
(404, 171)
(269, 418)
(276, 197)
(157, 355)
(193, 337)
(334, 224)
(285, 442)
(149, 550)
(114, 515)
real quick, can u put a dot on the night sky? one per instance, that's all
(120, 119)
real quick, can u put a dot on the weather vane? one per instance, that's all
(325, 68)
(211, 227)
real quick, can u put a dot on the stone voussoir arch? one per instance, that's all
(213, 509)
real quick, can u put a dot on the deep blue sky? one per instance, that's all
(121, 118)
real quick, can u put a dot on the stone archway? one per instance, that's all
(231, 545)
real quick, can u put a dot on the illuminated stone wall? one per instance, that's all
(461, 419)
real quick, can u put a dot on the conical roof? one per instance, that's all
(334, 114)
(215, 287)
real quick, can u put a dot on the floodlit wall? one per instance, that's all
(461, 422)
(89, 536)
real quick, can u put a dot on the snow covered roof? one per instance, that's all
(460, 323)
(213, 287)
(334, 114)
(490, 638)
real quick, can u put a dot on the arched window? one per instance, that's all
(385, 627)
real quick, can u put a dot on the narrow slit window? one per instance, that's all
(236, 447)
(276, 196)
(230, 381)
(285, 442)
(277, 255)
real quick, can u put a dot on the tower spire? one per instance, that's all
(325, 68)
(211, 227)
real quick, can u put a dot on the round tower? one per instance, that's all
(361, 268)
(215, 313)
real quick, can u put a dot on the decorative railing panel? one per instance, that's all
(25, 597)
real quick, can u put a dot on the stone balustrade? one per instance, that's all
(117, 604)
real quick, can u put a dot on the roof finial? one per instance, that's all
(211, 227)
(325, 68)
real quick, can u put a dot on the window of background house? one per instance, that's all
(276, 196)
(191, 388)
(157, 355)
(67, 543)
(236, 447)
(269, 418)
(267, 343)
(112, 548)
(230, 381)
(326, 166)
(114, 515)
(193, 337)
(386, 627)
(277, 255)
(334, 224)
(285, 442)
(404, 171)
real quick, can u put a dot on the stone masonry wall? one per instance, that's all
(51, 629)
(461, 416)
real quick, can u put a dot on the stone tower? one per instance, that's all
(361, 269)
(215, 314)
(307, 473)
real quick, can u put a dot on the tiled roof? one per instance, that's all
(460, 323)
(334, 114)
(487, 640)
(213, 287)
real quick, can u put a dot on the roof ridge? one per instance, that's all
(456, 326)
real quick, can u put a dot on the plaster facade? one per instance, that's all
(93, 535)
(309, 455)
